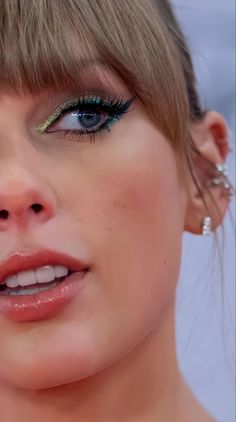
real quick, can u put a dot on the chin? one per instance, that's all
(41, 373)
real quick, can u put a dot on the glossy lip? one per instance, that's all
(45, 304)
(22, 261)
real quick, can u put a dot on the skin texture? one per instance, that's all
(118, 204)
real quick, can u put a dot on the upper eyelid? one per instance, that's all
(54, 116)
(74, 102)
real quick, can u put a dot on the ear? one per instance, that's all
(210, 139)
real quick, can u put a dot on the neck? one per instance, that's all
(143, 386)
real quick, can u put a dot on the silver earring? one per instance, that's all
(221, 179)
(207, 226)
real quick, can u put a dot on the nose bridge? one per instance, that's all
(24, 197)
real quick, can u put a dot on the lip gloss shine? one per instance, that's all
(45, 304)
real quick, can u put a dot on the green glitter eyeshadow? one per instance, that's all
(114, 108)
(87, 99)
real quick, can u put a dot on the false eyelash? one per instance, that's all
(115, 107)
(112, 104)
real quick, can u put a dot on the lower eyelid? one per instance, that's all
(55, 117)
(56, 126)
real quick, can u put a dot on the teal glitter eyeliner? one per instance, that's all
(114, 108)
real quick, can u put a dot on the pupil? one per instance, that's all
(88, 119)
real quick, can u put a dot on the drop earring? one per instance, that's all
(207, 226)
(221, 179)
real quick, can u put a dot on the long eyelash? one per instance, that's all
(115, 108)
(74, 134)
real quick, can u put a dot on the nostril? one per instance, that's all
(4, 214)
(37, 208)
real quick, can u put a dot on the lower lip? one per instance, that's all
(40, 306)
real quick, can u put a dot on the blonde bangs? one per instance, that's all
(44, 42)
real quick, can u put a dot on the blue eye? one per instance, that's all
(89, 119)
(87, 115)
(83, 120)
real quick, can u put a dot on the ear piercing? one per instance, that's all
(221, 178)
(207, 226)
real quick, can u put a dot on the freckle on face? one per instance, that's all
(119, 196)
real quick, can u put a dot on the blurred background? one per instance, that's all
(206, 292)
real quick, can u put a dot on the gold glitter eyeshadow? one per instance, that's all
(114, 108)
(54, 116)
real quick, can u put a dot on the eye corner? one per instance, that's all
(41, 130)
(115, 107)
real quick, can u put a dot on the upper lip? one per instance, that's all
(23, 261)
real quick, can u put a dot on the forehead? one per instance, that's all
(92, 78)
(40, 46)
(43, 42)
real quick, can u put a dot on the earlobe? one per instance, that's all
(209, 189)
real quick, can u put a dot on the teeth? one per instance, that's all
(45, 274)
(40, 275)
(26, 278)
(12, 281)
(32, 291)
(60, 271)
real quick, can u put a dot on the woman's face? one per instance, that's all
(115, 202)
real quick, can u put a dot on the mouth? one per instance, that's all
(35, 287)
(34, 281)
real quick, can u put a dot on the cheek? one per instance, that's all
(142, 252)
(125, 203)
(131, 204)
(136, 235)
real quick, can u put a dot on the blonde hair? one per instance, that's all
(43, 42)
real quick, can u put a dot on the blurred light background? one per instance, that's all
(205, 302)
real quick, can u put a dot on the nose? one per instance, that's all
(23, 204)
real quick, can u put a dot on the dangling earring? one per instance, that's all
(207, 226)
(221, 179)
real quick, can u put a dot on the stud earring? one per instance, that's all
(207, 226)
